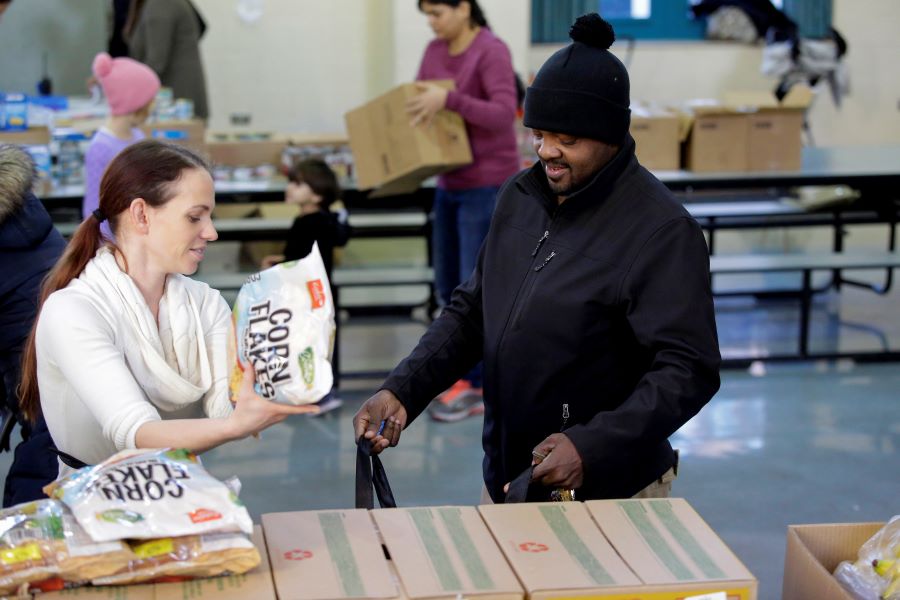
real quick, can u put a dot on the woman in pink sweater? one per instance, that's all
(466, 51)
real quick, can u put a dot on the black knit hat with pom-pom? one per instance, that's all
(583, 89)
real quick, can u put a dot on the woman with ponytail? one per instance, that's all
(127, 352)
(466, 51)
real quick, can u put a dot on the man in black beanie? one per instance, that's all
(590, 305)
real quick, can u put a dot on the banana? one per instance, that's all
(883, 566)
(892, 589)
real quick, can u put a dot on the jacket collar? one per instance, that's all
(534, 182)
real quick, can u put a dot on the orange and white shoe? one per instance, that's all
(457, 403)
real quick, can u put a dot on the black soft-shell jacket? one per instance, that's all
(594, 317)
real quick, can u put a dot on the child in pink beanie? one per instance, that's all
(129, 87)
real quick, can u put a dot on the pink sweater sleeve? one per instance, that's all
(498, 111)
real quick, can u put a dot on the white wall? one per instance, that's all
(510, 20)
(676, 71)
(70, 33)
(306, 62)
(297, 69)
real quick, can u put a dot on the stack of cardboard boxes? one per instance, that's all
(611, 550)
(745, 131)
(603, 550)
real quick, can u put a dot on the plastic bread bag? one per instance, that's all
(43, 547)
(875, 575)
(145, 494)
(85, 559)
(191, 556)
(284, 328)
(31, 541)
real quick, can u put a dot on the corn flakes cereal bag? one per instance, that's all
(284, 330)
(145, 494)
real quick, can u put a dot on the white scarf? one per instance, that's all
(170, 363)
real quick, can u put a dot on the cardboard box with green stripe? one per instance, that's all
(327, 555)
(616, 550)
(446, 553)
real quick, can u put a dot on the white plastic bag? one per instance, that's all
(876, 574)
(284, 328)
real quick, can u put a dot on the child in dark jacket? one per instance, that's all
(313, 187)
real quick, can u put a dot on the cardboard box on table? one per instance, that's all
(747, 131)
(33, 136)
(774, 129)
(256, 584)
(191, 134)
(672, 549)
(656, 134)
(327, 555)
(395, 157)
(616, 551)
(813, 553)
(443, 553)
(717, 138)
(246, 153)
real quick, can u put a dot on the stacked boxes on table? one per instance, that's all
(603, 550)
(190, 133)
(656, 136)
(747, 131)
(436, 553)
(612, 550)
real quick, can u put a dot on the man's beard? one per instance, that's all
(560, 189)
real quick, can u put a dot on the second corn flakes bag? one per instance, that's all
(284, 330)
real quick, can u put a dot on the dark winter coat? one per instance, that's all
(29, 247)
(599, 309)
(166, 38)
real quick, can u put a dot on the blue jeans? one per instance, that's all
(461, 222)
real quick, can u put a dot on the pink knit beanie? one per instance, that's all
(127, 84)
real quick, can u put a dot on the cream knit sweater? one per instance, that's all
(105, 368)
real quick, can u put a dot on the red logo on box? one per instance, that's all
(533, 547)
(316, 293)
(203, 515)
(297, 555)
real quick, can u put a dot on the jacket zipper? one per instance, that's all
(565, 417)
(540, 243)
(524, 292)
(546, 260)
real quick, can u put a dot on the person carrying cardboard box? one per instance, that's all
(590, 304)
(480, 65)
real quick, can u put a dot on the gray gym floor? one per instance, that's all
(809, 442)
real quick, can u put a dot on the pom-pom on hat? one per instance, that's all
(127, 84)
(582, 90)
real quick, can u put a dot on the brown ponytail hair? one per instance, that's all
(144, 170)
